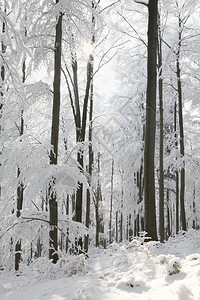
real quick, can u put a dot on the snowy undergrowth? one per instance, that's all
(125, 271)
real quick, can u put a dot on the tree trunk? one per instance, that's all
(140, 198)
(90, 150)
(121, 228)
(20, 188)
(3, 49)
(53, 205)
(111, 201)
(116, 227)
(176, 172)
(149, 176)
(98, 200)
(194, 223)
(182, 150)
(168, 216)
(161, 170)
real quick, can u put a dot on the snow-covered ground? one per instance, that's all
(127, 271)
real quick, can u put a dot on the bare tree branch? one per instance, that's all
(144, 2)
(139, 37)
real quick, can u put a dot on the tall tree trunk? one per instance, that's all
(20, 188)
(121, 227)
(149, 176)
(182, 149)
(3, 50)
(168, 217)
(116, 227)
(194, 223)
(161, 170)
(20, 196)
(53, 205)
(176, 172)
(111, 201)
(90, 167)
(98, 200)
(90, 148)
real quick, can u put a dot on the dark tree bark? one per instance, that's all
(98, 200)
(182, 147)
(20, 188)
(116, 227)
(53, 205)
(111, 201)
(90, 167)
(20, 196)
(161, 170)
(140, 183)
(149, 176)
(194, 222)
(3, 50)
(121, 228)
(176, 172)
(168, 216)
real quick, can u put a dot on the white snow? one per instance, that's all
(126, 271)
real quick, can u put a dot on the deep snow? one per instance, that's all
(127, 271)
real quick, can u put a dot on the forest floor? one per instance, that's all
(126, 271)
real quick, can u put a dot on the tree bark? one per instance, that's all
(3, 50)
(161, 169)
(176, 172)
(53, 205)
(182, 148)
(111, 202)
(20, 188)
(149, 176)
(90, 167)
(98, 200)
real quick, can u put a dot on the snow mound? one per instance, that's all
(174, 266)
(129, 282)
(66, 266)
(173, 263)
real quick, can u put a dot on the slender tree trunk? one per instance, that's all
(3, 50)
(121, 228)
(116, 227)
(97, 224)
(176, 172)
(53, 205)
(90, 164)
(161, 170)
(168, 216)
(111, 201)
(182, 149)
(98, 200)
(194, 225)
(140, 198)
(20, 188)
(149, 176)
(20, 193)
